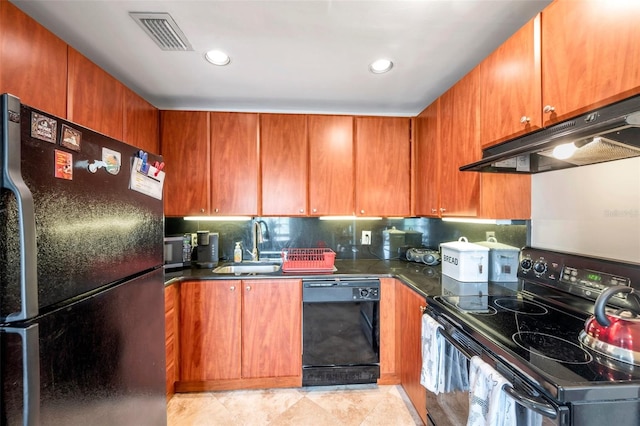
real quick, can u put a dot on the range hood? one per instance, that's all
(609, 133)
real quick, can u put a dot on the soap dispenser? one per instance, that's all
(237, 253)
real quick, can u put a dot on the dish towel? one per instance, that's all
(432, 374)
(456, 370)
(488, 404)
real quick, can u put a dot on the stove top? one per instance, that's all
(535, 327)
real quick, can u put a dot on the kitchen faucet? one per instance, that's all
(257, 239)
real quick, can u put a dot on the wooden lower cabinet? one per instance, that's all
(409, 306)
(238, 334)
(389, 341)
(171, 336)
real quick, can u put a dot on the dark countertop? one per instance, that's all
(424, 279)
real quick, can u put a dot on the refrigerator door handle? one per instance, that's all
(12, 180)
(30, 372)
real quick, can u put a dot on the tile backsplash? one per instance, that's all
(343, 236)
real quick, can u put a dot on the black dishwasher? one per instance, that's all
(340, 331)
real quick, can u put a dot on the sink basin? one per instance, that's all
(252, 268)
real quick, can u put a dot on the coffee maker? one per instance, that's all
(205, 253)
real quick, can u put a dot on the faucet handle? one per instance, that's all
(253, 254)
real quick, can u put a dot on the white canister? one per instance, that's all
(503, 260)
(465, 261)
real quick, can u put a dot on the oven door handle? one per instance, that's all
(536, 405)
(465, 351)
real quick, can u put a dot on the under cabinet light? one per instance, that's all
(218, 218)
(349, 218)
(476, 220)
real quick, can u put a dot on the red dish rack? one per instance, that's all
(308, 260)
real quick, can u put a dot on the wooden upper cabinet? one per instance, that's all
(141, 123)
(510, 81)
(331, 177)
(94, 98)
(459, 134)
(505, 196)
(283, 151)
(590, 55)
(235, 170)
(33, 62)
(383, 164)
(427, 149)
(184, 145)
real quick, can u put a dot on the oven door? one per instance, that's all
(452, 408)
(449, 408)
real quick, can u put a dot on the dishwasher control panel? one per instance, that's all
(340, 290)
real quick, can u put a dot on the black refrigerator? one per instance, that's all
(81, 277)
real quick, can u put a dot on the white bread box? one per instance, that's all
(503, 260)
(465, 261)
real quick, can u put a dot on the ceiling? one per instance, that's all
(305, 56)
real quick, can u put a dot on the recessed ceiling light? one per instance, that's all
(380, 66)
(217, 57)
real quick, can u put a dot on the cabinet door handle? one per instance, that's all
(217, 210)
(423, 308)
(361, 211)
(201, 210)
(315, 210)
(442, 209)
(232, 288)
(524, 119)
(301, 210)
(548, 109)
(434, 210)
(248, 288)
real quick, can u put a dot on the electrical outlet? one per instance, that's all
(366, 238)
(489, 234)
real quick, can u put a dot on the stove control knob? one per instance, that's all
(540, 267)
(364, 292)
(526, 264)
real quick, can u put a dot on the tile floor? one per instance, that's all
(354, 405)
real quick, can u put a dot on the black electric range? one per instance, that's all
(531, 333)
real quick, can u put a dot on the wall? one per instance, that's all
(592, 210)
(343, 236)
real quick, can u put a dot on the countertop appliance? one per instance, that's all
(531, 336)
(427, 256)
(205, 253)
(605, 134)
(81, 277)
(340, 331)
(177, 252)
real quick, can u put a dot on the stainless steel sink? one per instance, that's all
(248, 268)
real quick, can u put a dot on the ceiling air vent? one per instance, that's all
(163, 30)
